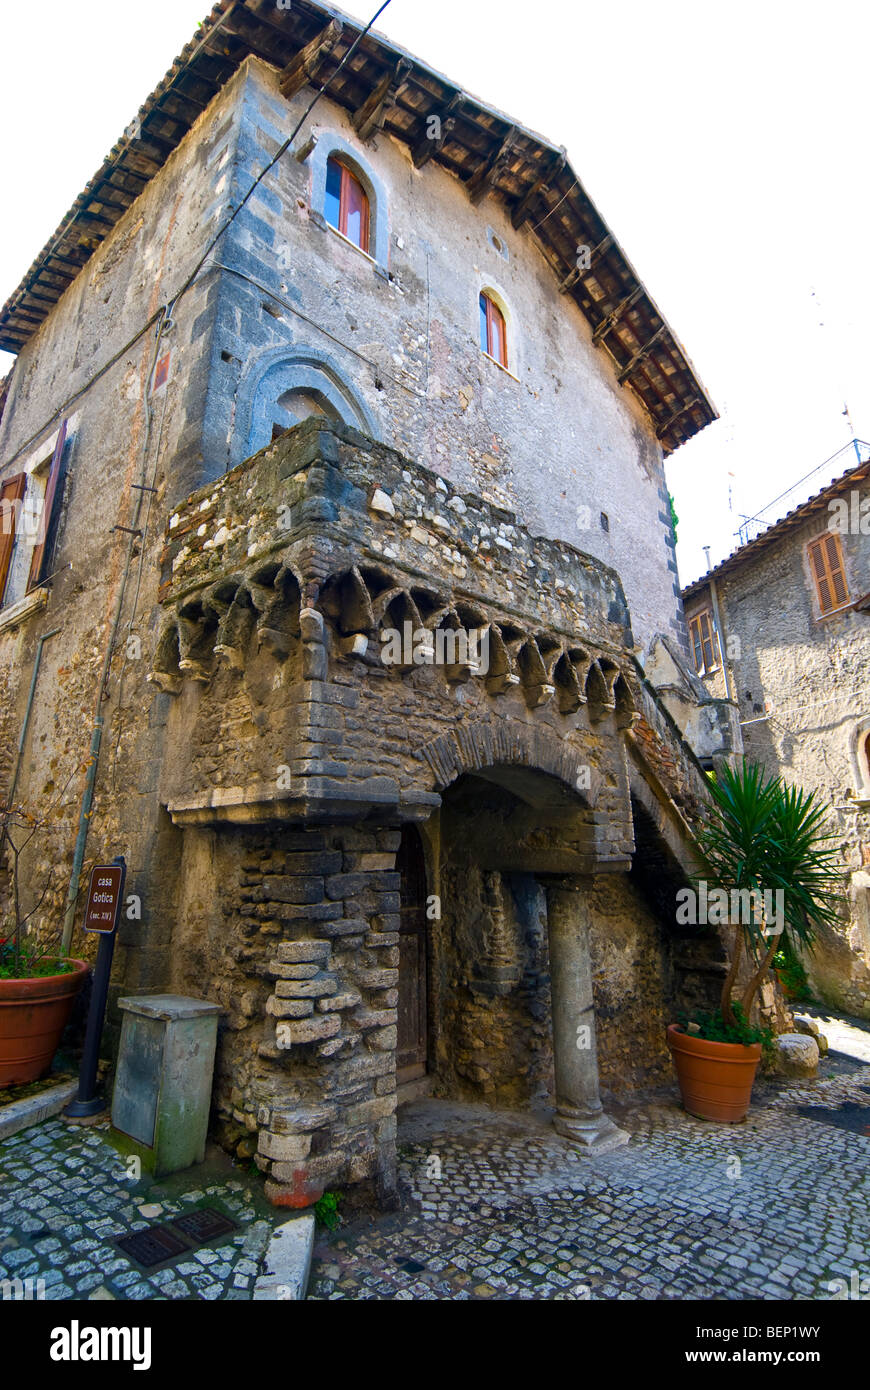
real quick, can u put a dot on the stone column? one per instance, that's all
(579, 1114)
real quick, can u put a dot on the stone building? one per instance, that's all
(789, 610)
(334, 456)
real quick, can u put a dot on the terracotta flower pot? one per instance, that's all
(33, 1015)
(715, 1078)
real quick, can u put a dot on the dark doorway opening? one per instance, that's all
(411, 1058)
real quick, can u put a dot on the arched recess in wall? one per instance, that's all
(331, 146)
(287, 386)
(860, 755)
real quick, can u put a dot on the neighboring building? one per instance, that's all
(781, 631)
(413, 388)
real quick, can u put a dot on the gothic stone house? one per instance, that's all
(288, 385)
(790, 612)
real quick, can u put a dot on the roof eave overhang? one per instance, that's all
(391, 91)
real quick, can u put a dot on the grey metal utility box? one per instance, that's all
(163, 1081)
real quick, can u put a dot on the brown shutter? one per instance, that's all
(835, 563)
(697, 649)
(826, 559)
(11, 493)
(52, 496)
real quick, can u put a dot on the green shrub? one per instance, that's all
(326, 1211)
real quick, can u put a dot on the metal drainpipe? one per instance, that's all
(723, 644)
(97, 731)
(82, 836)
(23, 735)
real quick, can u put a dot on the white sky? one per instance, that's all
(725, 144)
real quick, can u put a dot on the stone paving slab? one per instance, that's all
(65, 1196)
(499, 1207)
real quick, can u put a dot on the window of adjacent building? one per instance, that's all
(29, 504)
(493, 330)
(347, 204)
(705, 648)
(828, 571)
(11, 497)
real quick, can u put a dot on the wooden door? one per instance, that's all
(413, 1022)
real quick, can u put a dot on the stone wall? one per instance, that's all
(802, 683)
(554, 439)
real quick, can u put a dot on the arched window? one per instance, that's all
(493, 330)
(346, 206)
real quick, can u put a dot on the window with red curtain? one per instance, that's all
(347, 205)
(493, 332)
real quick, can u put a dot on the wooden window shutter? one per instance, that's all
(51, 502)
(11, 493)
(697, 647)
(826, 560)
(704, 643)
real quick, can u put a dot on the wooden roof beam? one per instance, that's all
(481, 182)
(640, 355)
(580, 271)
(682, 409)
(439, 124)
(304, 67)
(610, 320)
(524, 206)
(370, 115)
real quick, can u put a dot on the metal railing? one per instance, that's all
(753, 526)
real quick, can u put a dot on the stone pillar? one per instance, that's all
(579, 1114)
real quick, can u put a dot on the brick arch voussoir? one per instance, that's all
(482, 743)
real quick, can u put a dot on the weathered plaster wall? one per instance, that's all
(140, 266)
(555, 435)
(803, 684)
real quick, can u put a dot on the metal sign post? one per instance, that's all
(105, 896)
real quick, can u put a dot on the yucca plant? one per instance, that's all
(764, 838)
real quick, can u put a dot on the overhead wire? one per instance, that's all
(162, 317)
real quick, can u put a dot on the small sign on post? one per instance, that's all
(102, 910)
(105, 895)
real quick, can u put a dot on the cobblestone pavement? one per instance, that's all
(65, 1195)
(775, 1208)
(496, 1205)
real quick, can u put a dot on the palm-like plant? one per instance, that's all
(763, 835)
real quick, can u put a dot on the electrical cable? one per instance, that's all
(291, 308)
(279, 154)
(71, 400)
(162, 317)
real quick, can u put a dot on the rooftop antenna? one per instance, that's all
(855, 444)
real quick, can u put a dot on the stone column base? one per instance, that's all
(592, 1134)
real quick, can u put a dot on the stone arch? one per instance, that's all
(277, 382)
(483, 744)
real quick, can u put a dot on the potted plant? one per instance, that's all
(38, 983)
(765, 854)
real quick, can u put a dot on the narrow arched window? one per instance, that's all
(493, 330)
(347, 204)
